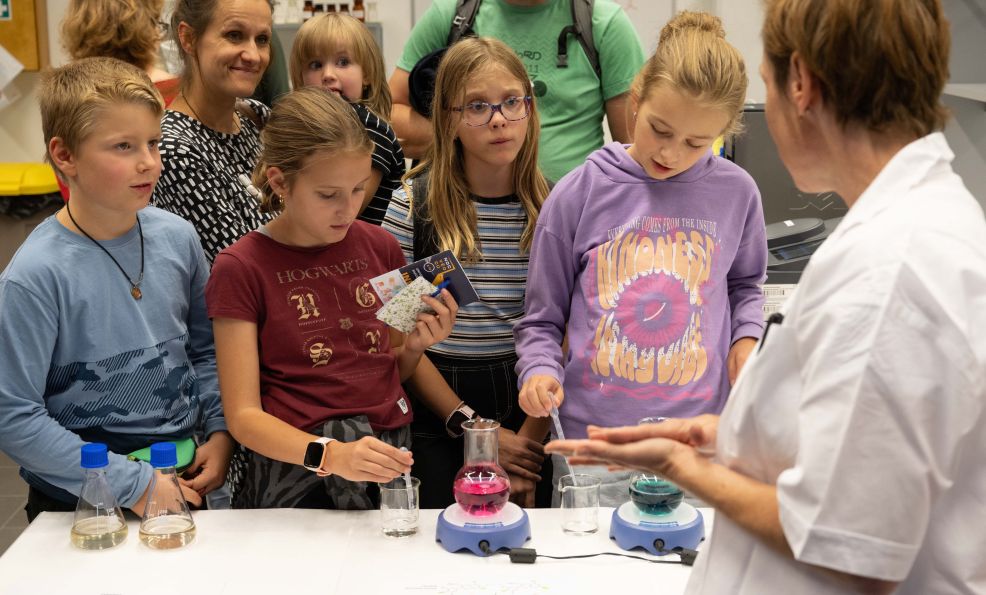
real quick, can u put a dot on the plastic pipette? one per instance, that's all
(554, 417)
(408, 486)
(561, 434)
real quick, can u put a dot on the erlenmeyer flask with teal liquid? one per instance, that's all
(652, 494)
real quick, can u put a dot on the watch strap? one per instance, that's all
(459, 415)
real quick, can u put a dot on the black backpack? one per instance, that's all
(421, 81)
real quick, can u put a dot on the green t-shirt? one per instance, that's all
(571, 100)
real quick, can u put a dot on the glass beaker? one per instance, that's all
(652, 494)
(399, 507)
(99, 522)
(579, 503)
(167, 523)
(481, 486)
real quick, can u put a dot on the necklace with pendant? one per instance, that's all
(134, 285)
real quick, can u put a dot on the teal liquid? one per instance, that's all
(655, 496)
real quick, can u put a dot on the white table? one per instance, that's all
(295, 552)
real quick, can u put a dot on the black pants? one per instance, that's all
(38, 502)
(490, 388)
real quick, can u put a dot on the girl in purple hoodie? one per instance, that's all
(649, 257)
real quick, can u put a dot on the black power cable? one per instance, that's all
(523, 555)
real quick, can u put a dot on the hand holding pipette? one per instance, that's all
(534, 395)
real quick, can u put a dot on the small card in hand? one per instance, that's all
(401, 312)
(443, 266)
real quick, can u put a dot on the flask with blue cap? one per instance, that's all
(167, 523)
(99, 522)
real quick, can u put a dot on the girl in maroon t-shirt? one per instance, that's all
(310, 379)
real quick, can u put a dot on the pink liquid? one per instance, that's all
(482, 493)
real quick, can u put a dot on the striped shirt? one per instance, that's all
(485, 328)
(388, 159)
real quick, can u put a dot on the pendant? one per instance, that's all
(135, 291)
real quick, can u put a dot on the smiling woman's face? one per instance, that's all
(234, 50)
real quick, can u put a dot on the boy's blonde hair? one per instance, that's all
(450, 208)
(325, 35)
(882, 65)
(304, 122)
(123, 29)
(72, 97)
(694, 58)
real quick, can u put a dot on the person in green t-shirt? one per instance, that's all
(572, 101)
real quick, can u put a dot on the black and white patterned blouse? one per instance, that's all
(388, 157)
(200, 177)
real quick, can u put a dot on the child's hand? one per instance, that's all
(191, 497)
(520, 456)
(367, 459)
(433, 328)
(208, 471)
(534, 398)
(738, 353)
(522, 491)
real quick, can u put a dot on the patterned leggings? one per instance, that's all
(267, 483)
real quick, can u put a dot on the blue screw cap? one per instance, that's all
(164, 454)
(94, 456)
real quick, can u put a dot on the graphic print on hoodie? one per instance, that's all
(663, 276)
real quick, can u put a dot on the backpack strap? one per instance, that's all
(425, 243)
(581, 28)
(465, 16)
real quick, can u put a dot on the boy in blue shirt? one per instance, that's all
(104, 335)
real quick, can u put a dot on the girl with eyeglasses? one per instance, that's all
(477, 193)
(649, 257)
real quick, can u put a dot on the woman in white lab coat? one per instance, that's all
(849, 457)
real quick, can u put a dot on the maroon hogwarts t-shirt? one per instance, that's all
(323, 353)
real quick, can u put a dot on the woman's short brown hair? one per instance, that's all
(881, 64)
(123, 29)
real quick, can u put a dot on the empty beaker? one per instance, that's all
(399, 507)
(99, 522)
(579, 503)
(167, 523)
(481, 486)
(652, 494)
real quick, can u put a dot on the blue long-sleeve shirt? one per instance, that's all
(82, 361)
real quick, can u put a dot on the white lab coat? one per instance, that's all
(867, 405)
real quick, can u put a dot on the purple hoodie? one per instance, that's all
(653, 280)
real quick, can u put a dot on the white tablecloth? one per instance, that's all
(287, 551)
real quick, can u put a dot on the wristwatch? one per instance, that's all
(315, 454)
(461, 414)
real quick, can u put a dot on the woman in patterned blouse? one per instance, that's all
(210, 137)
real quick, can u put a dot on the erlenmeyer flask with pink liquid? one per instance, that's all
(481, 486)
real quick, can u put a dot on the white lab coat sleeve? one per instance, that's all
(887, 401)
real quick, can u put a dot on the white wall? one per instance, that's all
(20, 123)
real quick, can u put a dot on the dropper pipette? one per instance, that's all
(408, 486)
(559, 433)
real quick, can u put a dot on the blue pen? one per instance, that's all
(440, 287)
